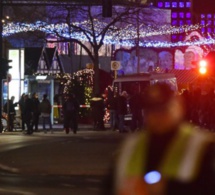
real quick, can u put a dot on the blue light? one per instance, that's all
(152, 177)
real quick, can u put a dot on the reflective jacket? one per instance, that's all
(181, 162)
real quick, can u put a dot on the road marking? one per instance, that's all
(15, 192)
(9, 169)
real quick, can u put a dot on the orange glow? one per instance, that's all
(203, 70)
(203, 67)
(202, 63)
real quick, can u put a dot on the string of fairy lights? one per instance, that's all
(125, 36)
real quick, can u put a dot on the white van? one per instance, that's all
(139, 82)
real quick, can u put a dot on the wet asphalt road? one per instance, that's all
(56, 164)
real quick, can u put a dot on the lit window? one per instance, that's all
(181, 38)
(174, 4)
(181, 22)
(202, 15)
(209, 16)
(174, 37)
(202, 22)
(181, 4)
(174, 14)
(188, 4)
(181, 15)
(188, 15)
(189, 22)
(167, 4)
(174, 22)
(209, 30)
(160, 4)
(203, 30)
(209, 22)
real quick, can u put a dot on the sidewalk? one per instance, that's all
(59, 128)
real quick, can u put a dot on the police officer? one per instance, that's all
(169, 157)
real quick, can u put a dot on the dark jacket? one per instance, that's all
(71, 106)
(11, 107)
(121, 105)
(97, 106)
(112, 103)
(27, 110)
(35, 106)
(45, 106)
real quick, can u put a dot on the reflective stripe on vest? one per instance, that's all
(181, 160)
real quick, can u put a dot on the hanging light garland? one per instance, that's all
(121, 36)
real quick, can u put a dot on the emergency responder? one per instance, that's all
(170, 157)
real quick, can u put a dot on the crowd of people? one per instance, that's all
(199, 111)
(200, 107)
(30, 111)
(122, 104)
(118, 105)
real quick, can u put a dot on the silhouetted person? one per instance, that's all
(28, 114)
(122, 110)
(45, 110)
(70, 113)
(97, 107)
(36, 111)
(21, 108)
(171, 157)
(9, 108)
(136, 106)
(112, 106)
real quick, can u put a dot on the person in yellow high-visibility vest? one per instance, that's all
(169, 157)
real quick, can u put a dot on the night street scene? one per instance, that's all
(107, 97)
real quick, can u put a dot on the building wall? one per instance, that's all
(182, 15)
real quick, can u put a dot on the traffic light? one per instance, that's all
(4, 67)
(203, 65)
(107, 8)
